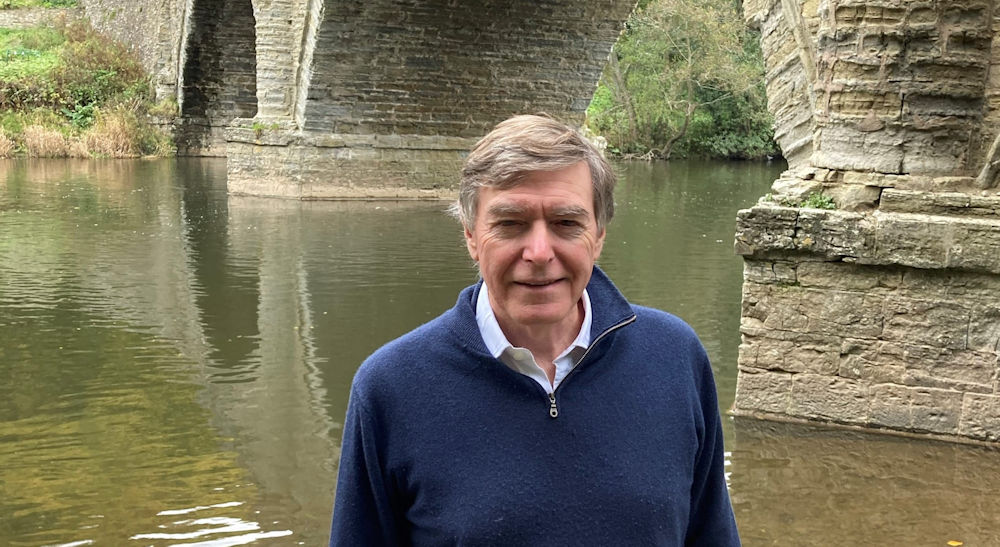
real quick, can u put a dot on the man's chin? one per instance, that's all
(542, 316)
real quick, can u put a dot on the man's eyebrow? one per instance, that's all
(505, 209)
(570, 211)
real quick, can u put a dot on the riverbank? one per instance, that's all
(67, 91)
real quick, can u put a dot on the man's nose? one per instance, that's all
(538, 246)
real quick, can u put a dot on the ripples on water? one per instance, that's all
(176, 362)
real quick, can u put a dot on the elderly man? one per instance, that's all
(543, 409)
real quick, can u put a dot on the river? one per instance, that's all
(176, 362)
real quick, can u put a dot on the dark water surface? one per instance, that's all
(175, 362)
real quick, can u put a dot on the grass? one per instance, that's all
(89, 94)
(26, 54)
(25, 4)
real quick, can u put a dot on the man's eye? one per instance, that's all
(567, 223)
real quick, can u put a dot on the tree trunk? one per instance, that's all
(624, 97)
(688, 113)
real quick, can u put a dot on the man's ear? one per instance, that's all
(470, 243)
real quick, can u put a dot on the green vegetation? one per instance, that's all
(686, 79)
(815, 200)
(65, 90)
(818, 200)
(260, 127)
(21, 4)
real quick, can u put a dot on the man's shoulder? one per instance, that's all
(409, 350)
(662, 323)
(418, 357)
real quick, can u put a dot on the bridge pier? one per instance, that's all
(337, 99)
(382, 99)
(281, 161)
(882, 313)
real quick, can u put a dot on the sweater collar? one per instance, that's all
(608, 309)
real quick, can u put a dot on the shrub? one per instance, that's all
(89, 92)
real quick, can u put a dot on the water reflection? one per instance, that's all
(178, 360)
(801, 485)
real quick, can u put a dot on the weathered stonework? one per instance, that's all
(310, 72)
(885, 319)
(24, 18)
(884, 312)
(154, 30)
(281, 163)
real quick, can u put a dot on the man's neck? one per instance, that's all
(545, 342)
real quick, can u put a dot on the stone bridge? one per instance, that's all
(883, 312)
(360, 98)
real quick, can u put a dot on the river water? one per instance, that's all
(175, 362)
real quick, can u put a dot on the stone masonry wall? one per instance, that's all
(24, 18)
(439, 67)
(397, 91)
(281, 162)
(153, 29)
(220, 74)
(884, 312)
(883, 320)
(903, 79)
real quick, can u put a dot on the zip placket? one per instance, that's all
(553, 407)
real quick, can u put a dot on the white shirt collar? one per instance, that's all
(496, 341)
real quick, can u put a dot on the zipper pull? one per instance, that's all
(553, 409)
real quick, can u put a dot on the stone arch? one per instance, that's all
(219, 74)
(444, 67)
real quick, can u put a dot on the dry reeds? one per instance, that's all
(6, 145)
(41, 142)
(115, 134)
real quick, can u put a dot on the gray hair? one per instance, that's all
(525, 144)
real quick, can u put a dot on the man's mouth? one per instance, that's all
(538, 283)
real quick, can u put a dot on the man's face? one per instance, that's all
(536, 245)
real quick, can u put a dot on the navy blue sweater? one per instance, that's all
(445, 445)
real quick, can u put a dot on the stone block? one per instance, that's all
(873, 361)
(768, 272)
(765, 228)
(935, 323)
(842, 313)
(975, 245)
(847, 148)
(890, 407)
(792, 352)
(855, 197)
(761, 391)
(910, 408)
(833, 234)
(981, 416)
(940, 367)
(911, 240)
(794, 189)
(840, 276)
(774, 307)
(984, 326)
(829, 398)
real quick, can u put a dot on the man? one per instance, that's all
(543, 409)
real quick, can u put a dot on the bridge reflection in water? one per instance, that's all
(179, 360)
